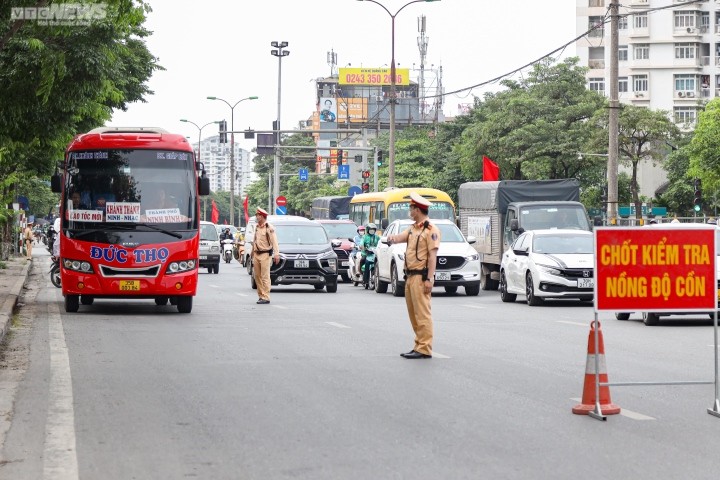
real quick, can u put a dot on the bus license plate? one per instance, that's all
(585, 283)
(302, 263)
(442, 275)
(129, 285)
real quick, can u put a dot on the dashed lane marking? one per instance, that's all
(338, 325)
(479, 307)
(573, 323)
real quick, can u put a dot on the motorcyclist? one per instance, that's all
(357, 240)
(370, 240)
(226, 235)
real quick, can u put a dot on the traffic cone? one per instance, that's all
(589, 399)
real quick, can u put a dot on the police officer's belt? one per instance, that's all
(415, 272)
(263, 251)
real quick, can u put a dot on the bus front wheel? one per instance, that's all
(72, 303)
(184, 304)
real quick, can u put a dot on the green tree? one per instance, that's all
(704, 151)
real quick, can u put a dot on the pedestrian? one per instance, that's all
(265, 250)
(28, 236)
(423, 241)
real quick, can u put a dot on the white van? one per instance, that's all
(209, 247)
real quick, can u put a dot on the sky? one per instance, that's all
(222, 48)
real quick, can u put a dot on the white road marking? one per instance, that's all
(626, 413)
(479, 307)
(438, 355)
(281, 307)
(60, 451)
(338, 325)
(214, 286)
(241, 294)
(573, 323)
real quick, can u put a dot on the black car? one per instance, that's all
(306, 255)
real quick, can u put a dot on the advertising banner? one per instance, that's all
(354, 110)
(656, 268)
(373, 76)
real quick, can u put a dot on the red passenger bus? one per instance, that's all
(130, 217)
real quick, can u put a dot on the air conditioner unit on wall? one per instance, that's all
(680, 94)
(690, 94)
(638, 94)
(690, 30)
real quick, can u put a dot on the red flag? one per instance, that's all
(245, 207)
(491, 171)
(215, 215)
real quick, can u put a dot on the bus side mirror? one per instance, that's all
(56, 183)
(204, 185)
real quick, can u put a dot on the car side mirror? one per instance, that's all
(336, 243)
(471, 239)
(522, 253)
(384, 240)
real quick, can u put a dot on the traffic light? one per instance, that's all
(222, 129)
(366, 174)
(380, 158)
(697, 197)
(365, 187)
(604, 195)
(340, 157)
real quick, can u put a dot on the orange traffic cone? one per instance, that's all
(589, 398)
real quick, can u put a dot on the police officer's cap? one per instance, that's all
(260, 211)
(419, 201)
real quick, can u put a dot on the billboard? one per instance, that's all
(352, 110)
(328, 110)
(373, 76)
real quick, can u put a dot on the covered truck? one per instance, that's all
(497, 212)
(330, 208)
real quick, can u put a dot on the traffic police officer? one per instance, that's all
(265, 244)
(423, 241)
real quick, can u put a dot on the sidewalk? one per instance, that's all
(12, 280)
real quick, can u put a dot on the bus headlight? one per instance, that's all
(77, 265)
(181, 266)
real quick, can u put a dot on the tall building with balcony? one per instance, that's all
(668, 59)
(216, 158)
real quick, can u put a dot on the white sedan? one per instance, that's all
(457, 265)
(544, 264)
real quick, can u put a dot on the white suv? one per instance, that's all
(209, 247)
(457, 265)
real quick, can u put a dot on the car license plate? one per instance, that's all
(344, 264)
(442, 276)
(302, 263)
(203, 257)
(129, 285)
(585, 283)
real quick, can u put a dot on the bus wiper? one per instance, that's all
(154, 227)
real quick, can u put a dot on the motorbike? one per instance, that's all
(227, 250)
(50, 238)
(55, 272)
(370, 264)
(354, 270)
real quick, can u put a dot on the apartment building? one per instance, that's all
(216, 158)
(668, 59)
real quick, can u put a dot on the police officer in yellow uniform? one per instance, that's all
(265, 244)
(423, 241)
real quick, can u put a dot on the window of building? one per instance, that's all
(622, 53)
(640, 83)
(642, 51)
(597, 85)
(597, 23)
(640, 20)
(684, 19)
(596, 3)
(623, 84)
(685, 115)
(622, 23)
(685, 83)
(685, 50)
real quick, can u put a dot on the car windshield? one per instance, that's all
(208, 232)
(301, 234)
(555, 244)
(340, 230)
(450, 233)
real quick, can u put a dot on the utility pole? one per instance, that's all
(614, 114)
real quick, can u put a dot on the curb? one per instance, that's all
(8, 305)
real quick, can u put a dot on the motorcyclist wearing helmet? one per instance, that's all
(226, 235)
(357, 240)
(370, 240)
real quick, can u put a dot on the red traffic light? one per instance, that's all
(365, 187)
(366, 174)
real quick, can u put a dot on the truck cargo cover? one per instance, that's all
(497, 195)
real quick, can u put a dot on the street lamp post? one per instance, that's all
(200, 129)
(232, 151)
(393, 80)
(280, 52)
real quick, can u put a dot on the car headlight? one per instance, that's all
(327, 253)
(181, 266)
(472, 258)
(550, 270)
(214, 248)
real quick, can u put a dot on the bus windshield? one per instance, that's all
(123, 189)
(401, 211)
